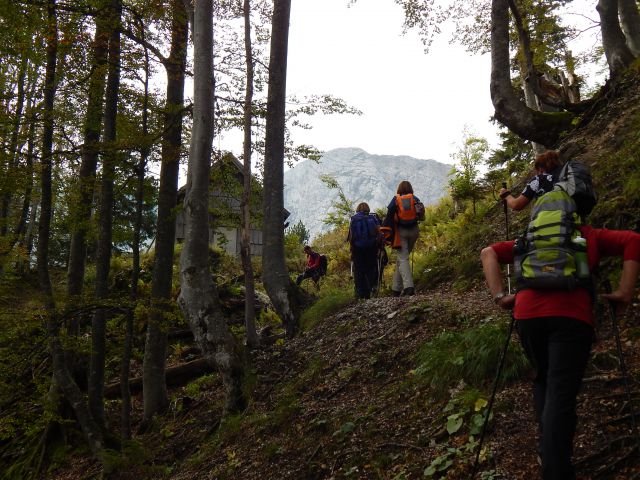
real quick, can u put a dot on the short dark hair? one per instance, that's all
(404, 187)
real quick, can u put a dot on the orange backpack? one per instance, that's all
(406, 209)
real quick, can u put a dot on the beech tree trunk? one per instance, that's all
(276, 279)
(630, 23)
(83, 200)
(155, 389)
(13, 156)
(540, 127)
(245, 248)
(619, 57)
(61, 374)
(198, 296)
(105, 216)
(125, 369)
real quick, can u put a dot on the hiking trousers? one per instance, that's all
(558, 348)
(365, 268)
(403, 276)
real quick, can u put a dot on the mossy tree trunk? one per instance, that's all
(199, 296)
(630, 23)
(61, 373)
(543, 128)
(274, 270)
(619, 57)
(245, 248)
(105, 218)
(155, 389)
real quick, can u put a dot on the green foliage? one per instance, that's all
(471, 355)
(297, 233)
(450, 244)
(331, 301)
(343, 208)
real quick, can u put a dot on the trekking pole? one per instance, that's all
(623, 366)
(503, 355)
(506, 223)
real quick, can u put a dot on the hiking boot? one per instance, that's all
(408, 291)
(395, 293)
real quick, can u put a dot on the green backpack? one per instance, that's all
(551, 254)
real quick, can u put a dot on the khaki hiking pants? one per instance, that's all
(403, 276)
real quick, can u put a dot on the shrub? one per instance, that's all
(471, 355)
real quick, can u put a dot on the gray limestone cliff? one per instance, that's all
(363, 177)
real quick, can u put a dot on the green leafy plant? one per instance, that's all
(470, 355)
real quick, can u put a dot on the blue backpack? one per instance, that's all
(364, 230)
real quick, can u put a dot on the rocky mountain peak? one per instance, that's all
(364, 177)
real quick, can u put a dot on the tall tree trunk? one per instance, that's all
(61, 374)
(630, 23)
(199, 296)
(619, 57)
(245, 246)
(155, 389)
(83, 201)
(125, 370)
(540, 127)
(105, 216)
(26, 202)
(13, 150)
(274, 270)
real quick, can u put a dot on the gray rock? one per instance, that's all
(363, 178)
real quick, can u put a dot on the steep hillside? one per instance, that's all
(363, 177)
(342, 401)
(353, 396)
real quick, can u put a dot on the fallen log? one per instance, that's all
(176, 376)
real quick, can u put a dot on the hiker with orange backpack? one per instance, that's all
(364, 235)
(403, 213)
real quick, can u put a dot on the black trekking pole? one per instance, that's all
(506, 224)
(623, 366)
(503, 356)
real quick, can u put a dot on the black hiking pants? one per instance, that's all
(558, 348)
(365, 270)
(313, 274)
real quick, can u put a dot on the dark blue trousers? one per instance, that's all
(365, 269)
(558, 348)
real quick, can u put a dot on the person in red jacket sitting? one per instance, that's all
(312, 269)
(556, 329)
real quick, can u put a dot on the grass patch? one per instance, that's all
(471, 355)
(330, 302)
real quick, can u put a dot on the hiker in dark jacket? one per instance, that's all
(403, 219)
(556, 330)
(547, 165)
(364, 240)
(312, 269)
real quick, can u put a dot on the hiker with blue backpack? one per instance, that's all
(403, 213)
(364, 239)
(554, 261)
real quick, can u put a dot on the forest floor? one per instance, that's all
(339, 401)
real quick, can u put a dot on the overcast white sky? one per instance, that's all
(413, 103)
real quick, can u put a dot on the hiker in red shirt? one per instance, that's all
(312, 270)
(556, 330)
